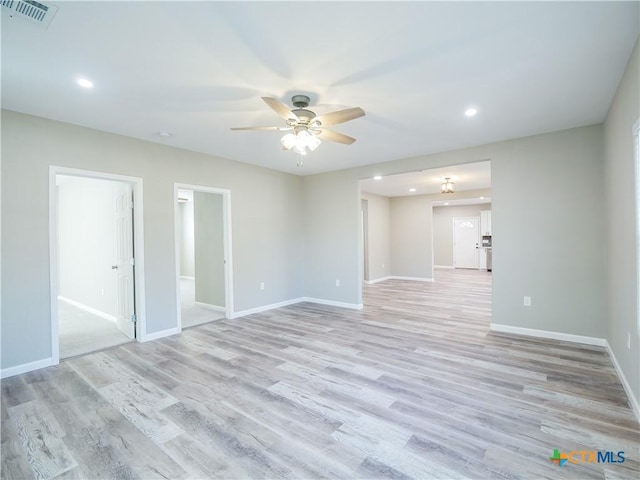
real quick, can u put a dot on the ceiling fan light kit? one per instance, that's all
(300, 141)
(308, 128)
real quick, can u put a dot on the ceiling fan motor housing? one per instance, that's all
(305, 117)
(300, 101)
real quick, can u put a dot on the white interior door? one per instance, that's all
(124, 261)
(466, 235)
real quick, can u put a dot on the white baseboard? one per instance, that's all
(217, 308)
(414, 279)
(448, 267)
(264, 308)
(532, 332)
(395, 277)
(161, 334)
(376, 280)
(187, 277)
(321, 301)
(26, 367)
(89, 309)
(568, 337)
(635, 406)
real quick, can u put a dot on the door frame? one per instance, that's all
(364, 232)
(453, 226)
(138, 245)
(226, 242)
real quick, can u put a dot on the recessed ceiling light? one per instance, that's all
(446, 203)
(471, 112)
(481, 198)
(377, 177)
(412, 189)
(164, 134)
(84, 83)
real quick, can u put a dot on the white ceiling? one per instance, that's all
(471, 176)
(195, 69)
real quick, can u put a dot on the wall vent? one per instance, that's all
(30, 10)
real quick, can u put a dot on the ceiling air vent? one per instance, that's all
(35, 12)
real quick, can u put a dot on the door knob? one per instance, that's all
(114, 267)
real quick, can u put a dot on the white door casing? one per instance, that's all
(138, 222)
(124, 263)
(466, 236)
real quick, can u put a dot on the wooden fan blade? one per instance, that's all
(341, 116)
(262, 128)
(334, 136)
(280, 108)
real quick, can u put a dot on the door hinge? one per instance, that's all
(132, 261)
(133, 318)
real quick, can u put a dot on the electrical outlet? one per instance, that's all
(628, 340)
(102, 292)
(337, 283)
(526, 301)
(261, 285)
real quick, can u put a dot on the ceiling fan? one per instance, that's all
(308, 129)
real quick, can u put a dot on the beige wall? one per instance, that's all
(621, 187)
(379, 236)
(564, 274)
(187, 254)
(208, 227)
(443, 229)
(412, 237)
(402, 233)
(411, 242)
(333, 237)
(267, 216)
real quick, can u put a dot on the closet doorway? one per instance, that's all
(96, 261)
(203, 259)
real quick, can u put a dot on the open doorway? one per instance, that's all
(203, 257)
(462, 234)
(95, 303)
(408, 232)
(409, 223)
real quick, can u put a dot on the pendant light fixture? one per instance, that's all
(448, 186)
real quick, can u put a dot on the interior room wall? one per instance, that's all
(411, 243)
(332, 231)
(187, 249)
(563, 274)
(267, 214)
(549, 247)
(209, 248)
(87, 242)
(443, 229)
(379, 236)
(411, 232)
(621, 224)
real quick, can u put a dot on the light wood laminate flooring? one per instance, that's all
(412, 386)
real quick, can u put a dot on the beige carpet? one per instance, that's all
(194, 314)
(82, 332)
